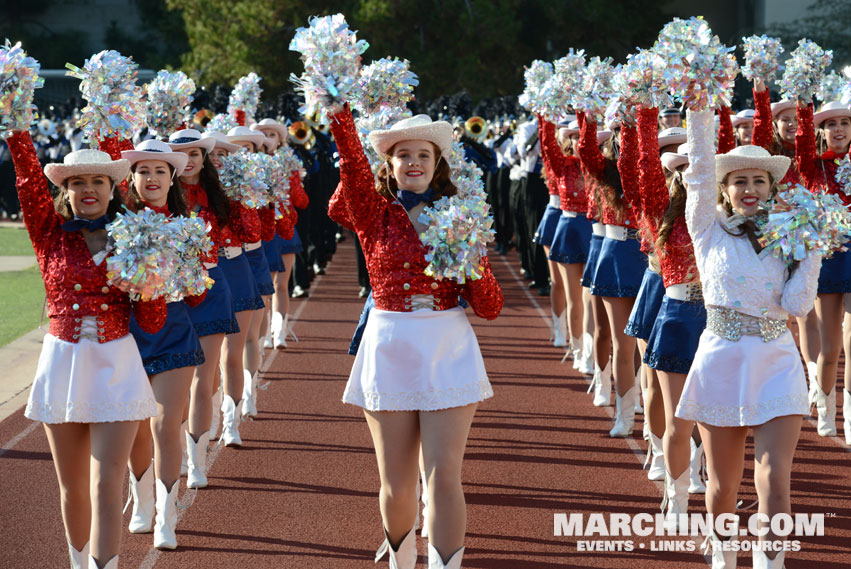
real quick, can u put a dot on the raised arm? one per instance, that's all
(805, 150)
(36, 201)
(298, 196)
(702, 189)
(726, 138)
(763, 129)
(651, 176)
(628, 165)
(589, 150)
(550, 152)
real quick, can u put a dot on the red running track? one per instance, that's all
(302, 491)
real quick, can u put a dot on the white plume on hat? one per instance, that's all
(88, 161)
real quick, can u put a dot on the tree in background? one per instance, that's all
(828, 23)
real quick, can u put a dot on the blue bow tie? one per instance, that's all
(79, 223)
(410, 199)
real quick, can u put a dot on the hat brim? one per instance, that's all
(439, 133)
(280, 128)
(774, 165)
(223, 144)
(603, 136)
(177, 160)
(739, 120)
(206, 144)
(779, 107)
(116, 170)
(672, 160)
(822, 116)
(255, 139)
(564, 131)
(670, 139)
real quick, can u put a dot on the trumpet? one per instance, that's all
(301, 134)
(476, 128)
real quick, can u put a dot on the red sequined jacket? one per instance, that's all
(243, 223)
(592, 206)
(763, 134)
(677, 261)
(395, 256)
(563, 172)
(726, 136)
(817, 172)
(75, 285)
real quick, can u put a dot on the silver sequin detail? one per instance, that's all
(732, 325)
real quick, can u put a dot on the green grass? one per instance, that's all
(22, 294)
(15, 241)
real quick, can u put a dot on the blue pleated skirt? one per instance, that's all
(547, 227)
(591, 263)
(646, 306)
(835, 275)
(620, 269)
(291, 245)
(572, 240)
(176, 345)
(273, 254)
(216, 314)
(260, 270)
(675, 336)
(243, 287)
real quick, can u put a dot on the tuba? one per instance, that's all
(476, 128)
(301, 134)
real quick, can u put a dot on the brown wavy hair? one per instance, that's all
(676, 208)
(441, 181)
(612, 178)
(216, 197)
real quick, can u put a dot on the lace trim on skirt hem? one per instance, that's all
(670, 364)
(421, 400)
(85, 412)
(745, 415)
(173, 361)
(250, 303)
(224, 326)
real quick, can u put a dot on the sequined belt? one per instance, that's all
(230, 252)
(687, 292)
(555, 201)
(620, 233)
(732, 325)
(598, 229)
(252, 246)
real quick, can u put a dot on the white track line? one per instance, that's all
(18, 438)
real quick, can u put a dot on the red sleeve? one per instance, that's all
(589, 151)
(651, 176)
(357, 183)
(628, 164)
(763, 129)
(40, 215)
(805, 150)
(550, 152)
(484, 294)
(113, 146)
(267, 223)
(239, 116)
(195, 300)
(284, 225)
(726, 138)
(245, 222)
(151, 315)
(297, 194)
(337, 209)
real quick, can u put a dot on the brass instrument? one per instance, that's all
(301, 134)
(476, 128)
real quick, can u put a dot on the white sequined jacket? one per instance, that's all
(733, 275)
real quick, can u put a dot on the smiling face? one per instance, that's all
(89, 195)
(413, 163)
(744, 133)
(837, 133)
(273, 134)
(746, 188)
(216, 155)
(786, 124)
(152, 179)
(192, 171)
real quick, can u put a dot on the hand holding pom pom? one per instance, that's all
(761, 57)
(385, 85)
(18, 81)
(538, 87)
(804, 71)
(245, 96)
(169, 97)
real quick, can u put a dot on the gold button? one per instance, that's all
(105, 289)
(104, 306)
(75, 306)
(406, 286)
(78, 287)
(433, 285)
(407, 265)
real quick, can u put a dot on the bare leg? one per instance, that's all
(571, 277)
(396, 437)
(171, 390)
(557, 289)
(289, 260)
(808, 332)
(654, 405)
(676, 442)
(602, 332)
(232, 354)
(618, 310)
(70, 448)
(725, 463)
(201, 395)
(830, 313)
(444, 436)
(253, 345)
(142, 452)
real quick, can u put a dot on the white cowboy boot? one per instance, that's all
(624, 413)
(812, 376)
(696, 484)
(142, 496)
(761, 560)
(267, 338)
(164, 537)
(216, 419)
(184, 427)
(846, 415)
(675, 501)
(112, 564)
(559, 330)
(436, 562)
(403, 557)
(713, 546)
(197, 475)
(575, 350)
(655, 458)
(424, 498)
(586, 360)
(249, 394)
(826, 407)
(230, 422)
(279, 331)
(79, 559)
(601, 384)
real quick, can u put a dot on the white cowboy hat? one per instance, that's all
(190, 138)
(744, 116)
(87, 162)
(673, 135)
(830, 110)
(780, 106)
(153, 149)
(245, 134)
(750, 156)
(569, 129)
(419, 127)
(221, 140)
(566, 120)
(673, 160)
(273, 124)
(670, 111)
(603, 136)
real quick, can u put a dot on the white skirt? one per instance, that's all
(744, 383)
(417, 361)
(89, 382)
